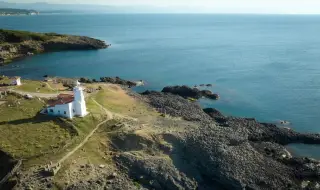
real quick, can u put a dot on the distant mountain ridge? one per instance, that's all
(46, 7)
(10, 11)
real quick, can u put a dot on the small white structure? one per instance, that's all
(16, 81)
(68, 105)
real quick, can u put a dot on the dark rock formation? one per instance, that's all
(176, 106)
(6, 165)
(188, 92)
(265, 132)
(216, 115)
(242, 153)
(155, 173)
(117, 80)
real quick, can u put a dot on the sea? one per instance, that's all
(263, 66)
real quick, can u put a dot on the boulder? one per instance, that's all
(188, 92)
(183, 91)
(118, 80)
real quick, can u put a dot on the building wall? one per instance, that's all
(65, 110)
(79, 102)
(80, 108)
(18, 82)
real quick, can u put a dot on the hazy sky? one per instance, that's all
(240, 6)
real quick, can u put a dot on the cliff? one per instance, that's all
(19, 44)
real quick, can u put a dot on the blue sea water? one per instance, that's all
(263, 66)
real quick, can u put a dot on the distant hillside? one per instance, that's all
(56, 8)
(10, 11)
(19, 44)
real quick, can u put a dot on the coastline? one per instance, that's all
(214, 145)
(16, 45)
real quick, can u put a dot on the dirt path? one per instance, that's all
(109, 117)
(116, 115)
(109, 113)
(83, 142)
(49, 86)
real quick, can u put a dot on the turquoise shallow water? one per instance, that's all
(262, 66)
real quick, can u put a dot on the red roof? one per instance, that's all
(62, 99)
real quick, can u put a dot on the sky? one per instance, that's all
(214, 6)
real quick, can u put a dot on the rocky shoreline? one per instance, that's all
(230, 151)
(19, 44)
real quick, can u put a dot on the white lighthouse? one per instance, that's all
(79, 102)
(68, 105)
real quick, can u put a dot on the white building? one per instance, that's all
(16, 81)
(68, 105)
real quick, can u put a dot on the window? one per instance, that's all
(65, 113)
(51, 110)
(74, 111)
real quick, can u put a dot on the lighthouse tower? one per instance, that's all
(79, 103)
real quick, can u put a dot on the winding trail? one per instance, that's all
(109, 117)
(114, 114)
(83, 142)
(49, 86)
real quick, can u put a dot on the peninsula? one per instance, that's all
(19, 44)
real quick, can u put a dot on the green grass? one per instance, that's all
(119, 102)
(27, 134)
(15, 36)
(5, 80)
(35, 86)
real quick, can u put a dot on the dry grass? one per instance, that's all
(117, 100)
(35, 86)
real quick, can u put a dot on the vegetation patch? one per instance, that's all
(28, 133)
(14, 36)
(36, 86)
(117, 100)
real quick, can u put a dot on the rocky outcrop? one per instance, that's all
(230, 151)
(117, 80)
(264, 132)
(155, 173)
(74, 43)
(188, 92)
(19, 44)
(6, 165)
(176, 106)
